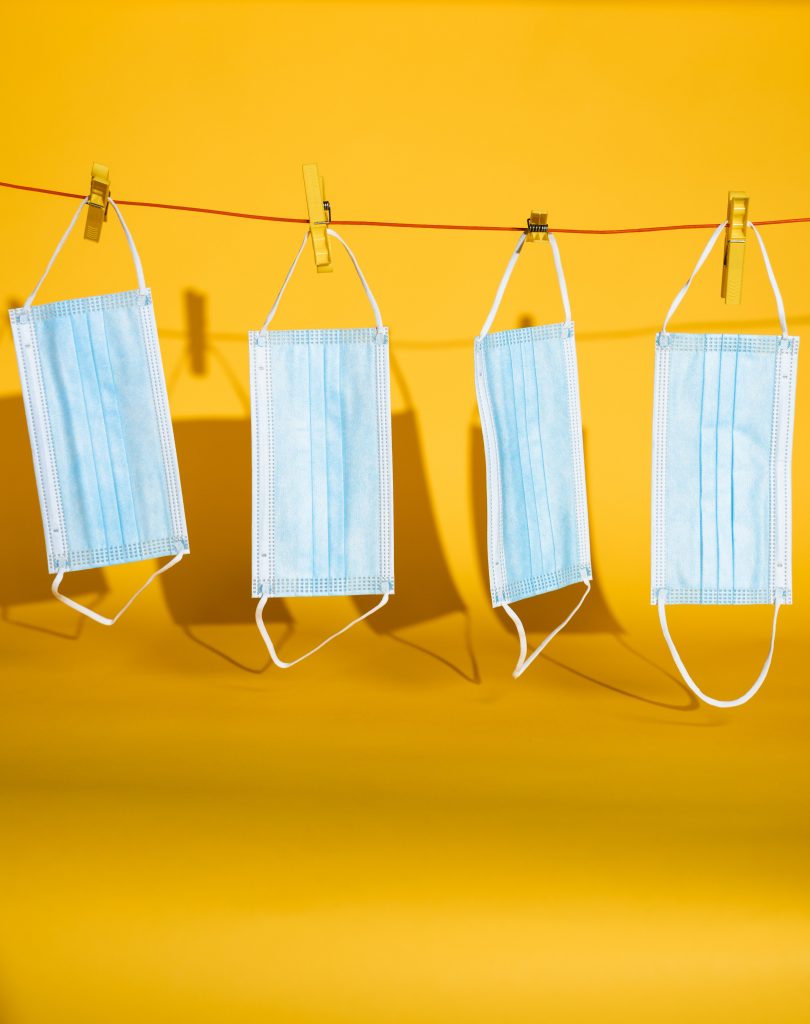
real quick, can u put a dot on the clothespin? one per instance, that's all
(734, 254)
(537, 226)
(98, 202)
(320, 215)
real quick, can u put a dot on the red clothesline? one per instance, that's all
(393, 223)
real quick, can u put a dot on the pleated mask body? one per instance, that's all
(722, 443)
(322, 480)
(528, 401)
(322, 473)
(100, 429)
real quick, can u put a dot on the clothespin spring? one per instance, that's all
(537, 226)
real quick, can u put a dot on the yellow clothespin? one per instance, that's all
(320, 214)
(537, 226)
(736, 232)
(98, 202)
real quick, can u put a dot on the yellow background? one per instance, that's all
(397, 831)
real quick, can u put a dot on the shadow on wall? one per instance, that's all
(213, 585)
(425, 589)
(543, 613)
(25, 579)
(196, 331)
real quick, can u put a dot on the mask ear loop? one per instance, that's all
(103, 619)
(510, 266)
(523, 662)
(288, 664)
(662, 617)
(380, 328)
(661, 602)
(780, 306)
(369, 294)
(130, 242)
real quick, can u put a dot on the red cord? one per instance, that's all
(397, 224)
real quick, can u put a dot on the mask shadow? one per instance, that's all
(545, 612)
(425, 589)
(212, 586)
(25, 578)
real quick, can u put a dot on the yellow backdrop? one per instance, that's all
(396, 831)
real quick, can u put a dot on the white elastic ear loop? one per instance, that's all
(102, 619)
(372, 301)
(286, 281)
(523, 662)
(363, 281)
(56, 252)
(135, 257)
(510, 266)
(555, 252)
(702, 259)
(780, 306)
(496, 302)
(662, 616)
(288, 664)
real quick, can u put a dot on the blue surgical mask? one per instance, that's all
(101, 434)
(537, 514)
(322, 490)
(722, 443)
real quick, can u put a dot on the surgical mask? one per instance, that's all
(322, 490)
(537, 515)
(722, 442)
(101, 434)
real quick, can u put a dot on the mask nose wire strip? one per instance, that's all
(288, 664)
(662, 615)
(103, 619)
(523, 662)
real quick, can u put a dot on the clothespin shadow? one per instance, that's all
(24, 579)
(196, 328)
(201, 349)
(543, 613)
(212, 588)
(425, 589)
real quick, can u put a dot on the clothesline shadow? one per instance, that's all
(25, 579)
(542, 614)
(641, 331)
